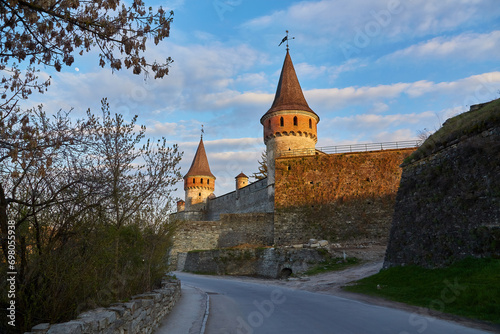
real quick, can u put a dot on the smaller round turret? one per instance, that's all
(241, 181)
(181, 205)
(199, 182)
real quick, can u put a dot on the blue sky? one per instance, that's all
(373, 70)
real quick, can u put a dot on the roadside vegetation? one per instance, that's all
(83, 203)
(89, 203)
(468, 288)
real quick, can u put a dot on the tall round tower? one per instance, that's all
(289, 124)
(199, 182)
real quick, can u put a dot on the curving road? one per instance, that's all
(239, 307)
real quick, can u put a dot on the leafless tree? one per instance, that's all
(262, 173)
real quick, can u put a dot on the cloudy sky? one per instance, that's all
(373, 70)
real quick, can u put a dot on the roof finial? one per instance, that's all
(202, 131)
(286, 39)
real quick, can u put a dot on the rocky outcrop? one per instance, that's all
(448, 203)
(142, 314)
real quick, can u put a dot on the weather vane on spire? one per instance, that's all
(286, 39)
(202, 131)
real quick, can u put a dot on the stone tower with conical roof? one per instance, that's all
(199, 182)
(289, 125)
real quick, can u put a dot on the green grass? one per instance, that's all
(333, 264)
(469, 288)
(467, 123)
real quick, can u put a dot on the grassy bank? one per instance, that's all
(469, 288)
(466, 124)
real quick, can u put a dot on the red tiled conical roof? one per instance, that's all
(289, 94)
(200, 163)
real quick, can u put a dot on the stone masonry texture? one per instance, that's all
(346, 198)
(448, 205)
(142, 314)
(265, 262)
(230, 231)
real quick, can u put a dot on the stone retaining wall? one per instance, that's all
(264, 262)
(230, 231)
(448, 205)
(142, 314)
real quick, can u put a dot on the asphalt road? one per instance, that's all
(238, 307)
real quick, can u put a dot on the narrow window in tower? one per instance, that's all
(310, 124)
(295, 121)
(269, 124)
(199, 194)
(194, 180)
(208, 181)
(282, 122)
(201, 181)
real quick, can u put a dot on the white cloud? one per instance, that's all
(320, 22)
(466, 91)
(478, 88)
(379, 107)
(227, 145)
(197, 78)
(253, 80)
(374, 128)
(331, 99)
(309, 71)
(379, 122)
(156, 129)
(398, 135)
(470, 46)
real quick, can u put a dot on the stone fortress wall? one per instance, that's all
(453, 196)
(343, 198)
(252, 198)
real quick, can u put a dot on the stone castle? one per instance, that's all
(345, 198)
